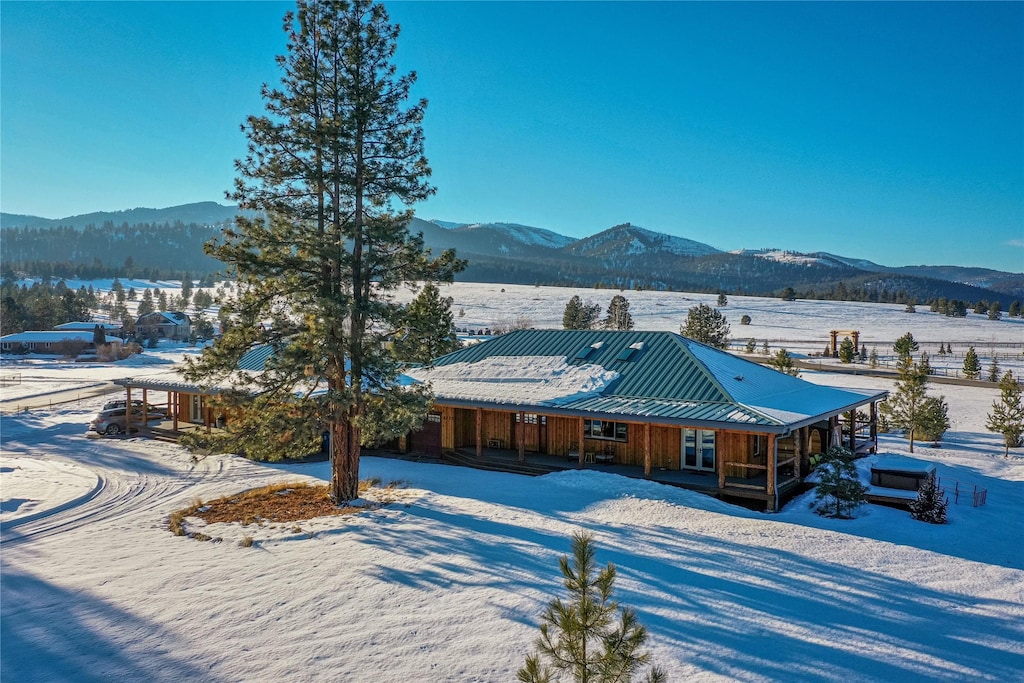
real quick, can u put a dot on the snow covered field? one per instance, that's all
(448, 583)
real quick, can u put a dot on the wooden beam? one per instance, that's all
(520, 436)
(206, 413)
(175, 397)
(798, 450)
(874, 425)
(580, 432)
(479, 433)
(770, 485)
(647, 450)
(145, 407)
(128, 410)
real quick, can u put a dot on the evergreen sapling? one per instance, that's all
(839, 491)
(930, 505)
(581, 637)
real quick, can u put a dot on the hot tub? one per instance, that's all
(901, 473)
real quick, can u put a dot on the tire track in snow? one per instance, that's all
(120, 494)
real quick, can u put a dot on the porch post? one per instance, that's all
(874, 426)
(206, 413)
(175, 401)
(772, 458)
(647, 450)
(520, 442)
(579, 434)
(128, 410)
(479, 433)
(798, 451)
(145, 407)
(720, 464)
(853, 430)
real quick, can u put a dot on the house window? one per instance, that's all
(434, 417)
(605, 429)
(533, 418)
(698, 446)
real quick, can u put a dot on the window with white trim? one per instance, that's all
(605, 429)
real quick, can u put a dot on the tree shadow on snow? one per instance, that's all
(777, 615)
(49, 633)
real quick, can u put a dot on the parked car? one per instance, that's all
(115, 420)
(150, 408)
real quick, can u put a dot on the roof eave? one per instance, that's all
(781, 429)
(868, 398)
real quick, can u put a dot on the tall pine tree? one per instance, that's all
(618, 316)
(847, 351)
(708, 326)
(783, 362)
(429, 328)
(1007, 416)
(905, 408)
(972, 366)
(338, 149)
(905, 346)
(579, 314)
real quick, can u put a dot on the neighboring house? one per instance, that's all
(165, 324)
(108, 328)
(650, 400)
(49, 341)
(650, 404)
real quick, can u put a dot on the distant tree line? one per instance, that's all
(144, 250)
(169, 250)
(43, 306)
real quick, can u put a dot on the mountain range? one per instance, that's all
(624, 256)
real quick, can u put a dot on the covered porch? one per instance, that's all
(750, 491)
(184, 408)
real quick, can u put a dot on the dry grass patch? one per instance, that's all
(275, 504)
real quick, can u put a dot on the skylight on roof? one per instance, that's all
(628, 352)
(587, 350)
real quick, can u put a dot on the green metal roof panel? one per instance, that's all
(667, 376)
(682, 411)
(255, 359)
(661, 369)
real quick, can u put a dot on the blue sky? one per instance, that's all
(887, 131)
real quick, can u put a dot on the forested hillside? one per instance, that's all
(624, 256)
(142, 250)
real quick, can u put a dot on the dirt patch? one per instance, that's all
(278, 503)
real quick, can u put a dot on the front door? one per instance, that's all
(427, 439)
(698, 449)
(195, 413)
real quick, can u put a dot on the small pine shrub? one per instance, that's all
(930, 505)
(839, 491)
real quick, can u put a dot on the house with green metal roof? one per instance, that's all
(667, 406)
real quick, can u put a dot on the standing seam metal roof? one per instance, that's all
(671, 377)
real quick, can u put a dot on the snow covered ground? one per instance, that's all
(448, 583)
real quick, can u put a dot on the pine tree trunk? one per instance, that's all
(344, 462)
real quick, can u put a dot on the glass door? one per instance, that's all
(698, 449)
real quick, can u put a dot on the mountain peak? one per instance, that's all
(626, 240)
